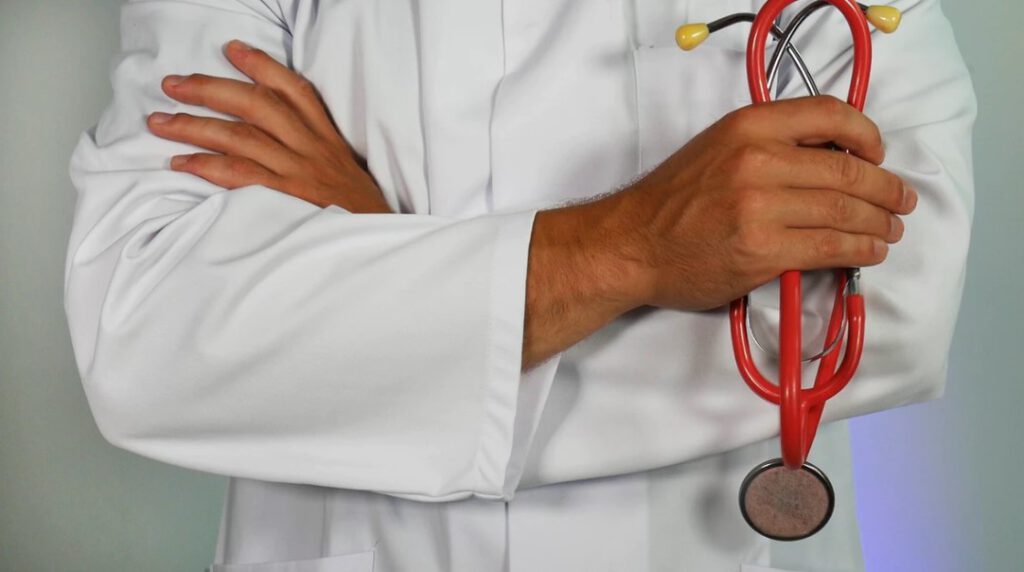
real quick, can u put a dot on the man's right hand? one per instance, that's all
(752, 196)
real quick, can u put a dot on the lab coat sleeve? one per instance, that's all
(922, 99)
(253, 334)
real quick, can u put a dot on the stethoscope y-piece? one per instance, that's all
(788, 498)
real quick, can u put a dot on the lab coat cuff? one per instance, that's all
(534, 387)
(504, 389)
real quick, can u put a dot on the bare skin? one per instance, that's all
(748, 198)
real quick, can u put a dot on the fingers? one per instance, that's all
(227, 137)
(817, 249)
(296, 90)
(810, 168)
(816, 121)
(253, 103)
(226, 171)
(800, 229)
(800, 208)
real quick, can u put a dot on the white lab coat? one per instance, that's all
(358, 376)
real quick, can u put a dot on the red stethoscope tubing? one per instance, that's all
(800, 409)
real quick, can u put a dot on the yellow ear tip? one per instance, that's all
(689, 36)
(885, 18)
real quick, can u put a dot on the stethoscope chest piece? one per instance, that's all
(786, 504)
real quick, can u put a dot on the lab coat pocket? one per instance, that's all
(679, 94)
(654, 22)
(358, 562)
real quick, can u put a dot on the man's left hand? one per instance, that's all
(284, 139)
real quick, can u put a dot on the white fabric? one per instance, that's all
(349, 372)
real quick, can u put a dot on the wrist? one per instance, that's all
(581, 276)
(614, 246)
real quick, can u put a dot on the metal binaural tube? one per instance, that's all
(786, 40)
(777, 33)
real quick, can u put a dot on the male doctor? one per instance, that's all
(440, 284)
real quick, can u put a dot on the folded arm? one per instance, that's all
(252, 333)
(923, 101)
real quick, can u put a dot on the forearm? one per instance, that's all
(580, 276)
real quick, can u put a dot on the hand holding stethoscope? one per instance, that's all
(789, 498)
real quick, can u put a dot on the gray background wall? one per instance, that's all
(936, 483)
(69, 501)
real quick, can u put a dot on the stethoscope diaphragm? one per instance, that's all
(786, 504)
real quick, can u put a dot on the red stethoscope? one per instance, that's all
(789, 498)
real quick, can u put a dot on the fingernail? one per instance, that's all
(174, 80)
(909, 198)
(895, 227)
(880, 247)
(240, 45)
(179, 161)
(160, 117)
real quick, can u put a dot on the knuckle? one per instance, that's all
(243, 130)
(184, 124)
(846, 170)
(830, 245)
(263, 96)
(261, 100)
(831, 106)
(841, 210)
(751, 245)
(196, 80)
(749, 159)
(730, 120)
(305, 88)
(738, 120)
(261, 91)
(199, 162)
(238, 168)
